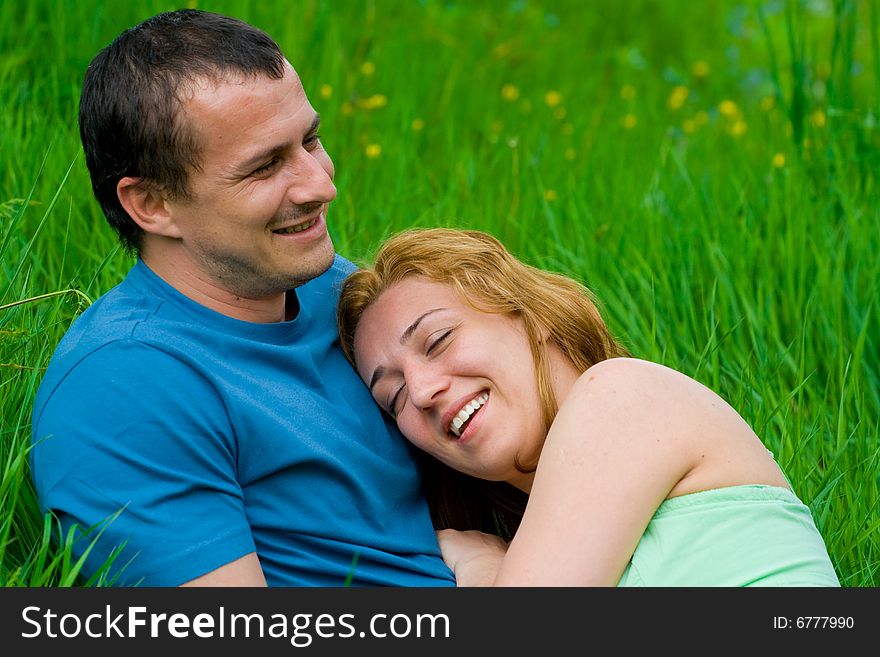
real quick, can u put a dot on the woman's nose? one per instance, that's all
(426, 386)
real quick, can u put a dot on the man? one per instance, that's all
(200, 417)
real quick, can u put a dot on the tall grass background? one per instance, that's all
(709, 169)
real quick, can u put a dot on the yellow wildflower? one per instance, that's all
(373, 151)
(728, 108)
(418, 125)
(677, 97)
(768, 103)
(689, 126)
(818, 118)
(627, 92)
(739, 128)
(550, 195)
(373, 102)
(700, 69)
(552, 98)
(779, 160)
(629, 121)
(368, 68)
(570, 154)
(326, 91)
(510, 92)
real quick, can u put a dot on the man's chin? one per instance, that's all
(319, 264)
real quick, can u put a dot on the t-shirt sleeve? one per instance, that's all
(135, 448)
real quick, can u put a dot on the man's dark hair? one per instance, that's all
(129, 117)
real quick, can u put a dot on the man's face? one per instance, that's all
(255, 223)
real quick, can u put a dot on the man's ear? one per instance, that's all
(146, 206)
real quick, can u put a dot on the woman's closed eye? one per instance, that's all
(396, 400)
(434, 344)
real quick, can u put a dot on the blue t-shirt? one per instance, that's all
(218, 437)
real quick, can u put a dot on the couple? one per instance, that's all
(205, 406)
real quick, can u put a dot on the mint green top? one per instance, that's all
(738, 536)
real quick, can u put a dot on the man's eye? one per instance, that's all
(266, 168)
(312, 141)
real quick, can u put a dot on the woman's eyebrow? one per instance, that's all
(407, 334)
(378, 373)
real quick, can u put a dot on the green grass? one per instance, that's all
(730, 228)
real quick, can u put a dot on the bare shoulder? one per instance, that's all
(628, 367)
(633, 376)
(641, 391)
(631, 416)
(638, 394)
(638, 400)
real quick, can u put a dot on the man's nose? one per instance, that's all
(312, 179)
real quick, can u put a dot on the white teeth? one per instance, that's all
(465, 413)
(297, 229)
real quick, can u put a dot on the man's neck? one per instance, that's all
(195, 284)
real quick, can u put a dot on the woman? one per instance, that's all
(645, 476)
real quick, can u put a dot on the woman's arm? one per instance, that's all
(473, 556)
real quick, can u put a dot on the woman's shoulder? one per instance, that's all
(626, 364)
(633, 374)
(628, 389)
(671, 400)
(638, 400)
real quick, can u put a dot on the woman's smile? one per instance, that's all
(461, 420)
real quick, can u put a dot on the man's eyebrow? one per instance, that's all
(264, 155)
(379, 372)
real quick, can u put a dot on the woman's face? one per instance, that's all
(460, 382)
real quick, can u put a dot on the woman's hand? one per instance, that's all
(473, 556)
